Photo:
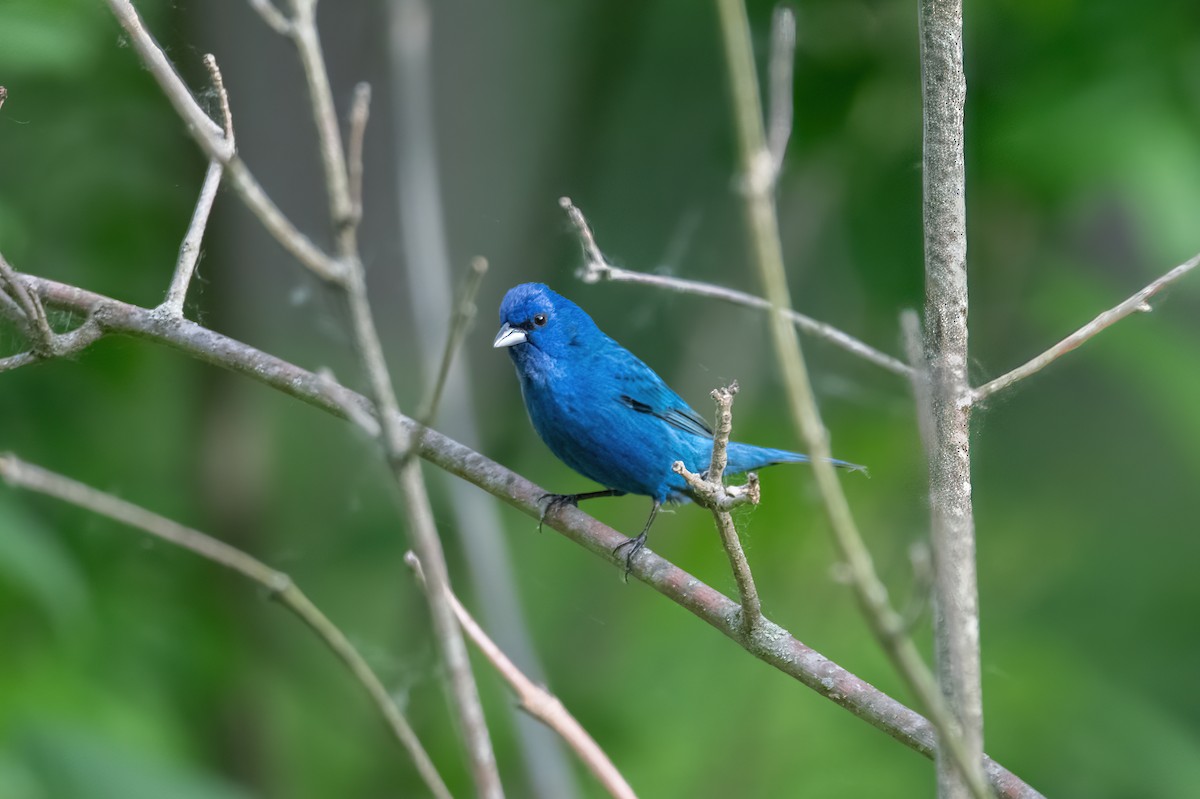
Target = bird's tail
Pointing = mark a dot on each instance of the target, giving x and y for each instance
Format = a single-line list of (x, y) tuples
[(746, 457)]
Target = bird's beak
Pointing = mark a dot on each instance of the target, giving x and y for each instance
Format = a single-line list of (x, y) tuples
[(509, 336)]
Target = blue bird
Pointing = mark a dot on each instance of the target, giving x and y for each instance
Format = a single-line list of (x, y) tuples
[(604, 412)]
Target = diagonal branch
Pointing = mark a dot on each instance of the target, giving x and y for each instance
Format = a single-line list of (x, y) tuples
[(211, 138), (25, 475), (537, 700), (395, 438), (766, 248), (189, 250), (1138, 303), (597, 268), (207, 133), (24, 308), (773, 645)]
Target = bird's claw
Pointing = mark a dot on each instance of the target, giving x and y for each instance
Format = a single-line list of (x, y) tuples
[(553, 502), (635, 546)]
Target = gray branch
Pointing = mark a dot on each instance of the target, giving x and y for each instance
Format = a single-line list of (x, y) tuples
[(773, 644), (956, 596)]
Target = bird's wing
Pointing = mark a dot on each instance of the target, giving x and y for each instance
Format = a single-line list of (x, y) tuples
[(641, 389), (681, 416)]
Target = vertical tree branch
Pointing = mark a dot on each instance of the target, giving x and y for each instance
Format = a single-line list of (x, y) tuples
[(710, 491), (956, 599), (430, 276), (763, 226), (395, 439)]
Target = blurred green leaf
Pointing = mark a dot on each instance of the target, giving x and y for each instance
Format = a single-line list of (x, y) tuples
[(76, 763), (35, 565)]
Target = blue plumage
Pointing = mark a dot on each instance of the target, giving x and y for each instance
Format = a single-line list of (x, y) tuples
[(604, 412)]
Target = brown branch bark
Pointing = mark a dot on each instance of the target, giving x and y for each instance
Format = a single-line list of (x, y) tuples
[(773, 644)]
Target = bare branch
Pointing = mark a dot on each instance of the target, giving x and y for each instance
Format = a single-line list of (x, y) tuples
[(1138, 303), (394, 437), (189, 250), (952, 533), (360, 111), (210, 135), (329, 137), (710, 491), (65, 345), (300, 246), (763, 226), (211, 139), (464, 313), (272, 16), (596, 268), (535, 699), (25, 475), (782, 64), (396, 440), (773, 645), (214, 74), (31, 316)]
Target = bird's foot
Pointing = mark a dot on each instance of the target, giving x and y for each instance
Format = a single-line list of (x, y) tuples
[(554, 502), (635, 546)]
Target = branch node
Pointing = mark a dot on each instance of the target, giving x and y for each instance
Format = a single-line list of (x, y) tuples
[(595, 266), (272, 16), (214, 74)]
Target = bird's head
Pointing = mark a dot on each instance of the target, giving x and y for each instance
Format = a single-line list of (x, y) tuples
[(537, 323)]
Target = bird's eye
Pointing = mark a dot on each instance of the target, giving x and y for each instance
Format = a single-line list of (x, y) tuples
[(539, 319)]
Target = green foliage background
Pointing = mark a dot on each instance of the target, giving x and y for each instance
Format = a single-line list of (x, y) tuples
[(128, 669)]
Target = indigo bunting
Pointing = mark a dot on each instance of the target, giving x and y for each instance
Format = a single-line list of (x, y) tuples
[(604, 412)]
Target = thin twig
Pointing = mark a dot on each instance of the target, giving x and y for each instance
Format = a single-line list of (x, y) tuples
[(300, 246), (329, 137), (1138, 303), (209, 134), (763, 226), (346, 271), (25, 475), (432, 279), (710, 491), (272, 16), (536, 699), (774, 646), (782, 66), (214, 75), (10, 309), (396, 440), (597, 268), (65, 345), (464, 313), (360, 111), (36, 324), (211, 138), (189, 250)]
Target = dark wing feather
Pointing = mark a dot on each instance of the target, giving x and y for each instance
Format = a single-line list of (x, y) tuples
[(681, 416), (639, 388)]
